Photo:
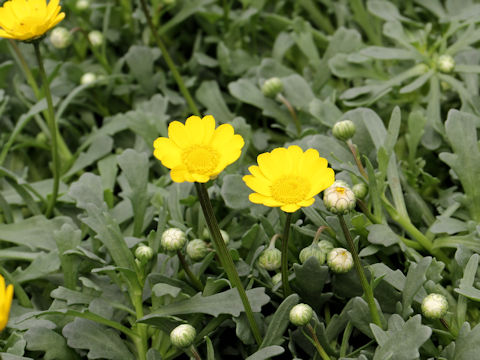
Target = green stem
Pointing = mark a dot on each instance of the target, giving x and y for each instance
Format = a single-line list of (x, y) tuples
[(52, 125), (196, 282), (169, 61), (140, 329), (317, 344), (360, 167), (286, 286), (367, 289), (195, 353), (225, 257), (361, 204), (345, 339), (292, 112)]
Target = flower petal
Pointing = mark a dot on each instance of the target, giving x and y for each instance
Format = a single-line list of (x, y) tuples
[(167, 152), (290, 208), (258, 184), (195, 127), (179, 134), (262, 199)]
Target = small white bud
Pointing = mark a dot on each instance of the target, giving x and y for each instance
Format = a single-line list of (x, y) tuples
[(312, 251), (183, 336), (434, 306), (88, 78), (301, 314), (360, 190), (197, 249), (445, 63), (144, 253), (82, 5), (340, 260), (276, 278), (60, 37), (339, 200), (272, 87), (344, 130), (270, 259), (95, 37), (173, 239)]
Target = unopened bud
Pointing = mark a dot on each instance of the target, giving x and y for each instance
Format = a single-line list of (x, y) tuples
[(95, 37), (82, 5), (325, 246), (360, 190), (344, 130), (197, 249), (173, 239), (312, 251), (183, 336), (340, 260), (276, 278), (60, 37), (434, 306), (339, 200), (301, 314), (445, 63), (270, 259), (88, 78), (272, 87), (144, 253)]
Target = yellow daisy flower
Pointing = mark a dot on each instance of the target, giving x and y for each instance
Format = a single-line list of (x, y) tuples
[(288, 178), (28, 19), (197, 151), (6, 295)]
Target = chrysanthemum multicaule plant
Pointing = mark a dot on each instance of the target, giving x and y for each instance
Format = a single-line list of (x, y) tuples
[(197, 151), (288, 178), (6, 295), (28, 19)]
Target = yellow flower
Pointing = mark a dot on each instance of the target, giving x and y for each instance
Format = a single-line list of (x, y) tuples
[(28, 19), (6, 295), (197, 151), (288, 178)]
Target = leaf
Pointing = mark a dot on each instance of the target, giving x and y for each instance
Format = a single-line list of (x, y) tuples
[(382, 235), (209, 94), (68, 238), (43, 264), (140, 60), (101, 342), (266, 353), (360, 315), (387, 53), (227, 302), (402, 340), (51, 343), (310, 278), (448, 225), (234, 192), (416, 277), (467, 344), (466, 288), (279, 322)]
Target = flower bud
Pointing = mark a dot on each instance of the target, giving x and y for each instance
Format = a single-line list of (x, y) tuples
[(144, 253), (445, 63), (197, 249), (88, 78), (60, 37), (337, 183), (276, 278), (340, 260), (325, 246), (312, 251), (173, 239), (434, 306), (82, 4), (183, 336), (301, 314), (339, 200), (344, 130), (270, 259), (95, 37), (272, 87), (360, 190)]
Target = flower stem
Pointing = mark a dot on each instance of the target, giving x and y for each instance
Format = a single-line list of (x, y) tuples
[(360, 167), (195, 281), (52, 125), (367, 289), (225, 257), (140, 329), (316, 343), (286, 286), (195, 353), (292, 112), (171, 65)]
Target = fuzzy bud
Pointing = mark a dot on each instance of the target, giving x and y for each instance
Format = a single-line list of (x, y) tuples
[(312, 251), (339, 200), (445, 63), (144, 253), (344, 130), (82, 5), (276, 278), (197, 249), (325, 246), (360, 190), (340, 260), (183, 336), (96, 38), (60, 37), (88, 78), (173, 239), (272, 87), (301, 314), (270, 259), (434, 306)]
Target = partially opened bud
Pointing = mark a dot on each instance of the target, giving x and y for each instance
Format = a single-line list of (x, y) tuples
[(301, 314), (340, 260), (434, 306), (183, 336), (173, 239), (339, 200), (272, 87), (344, 130)]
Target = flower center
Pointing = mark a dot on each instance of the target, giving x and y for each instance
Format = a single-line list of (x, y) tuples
[(201, 159), (290, 189)]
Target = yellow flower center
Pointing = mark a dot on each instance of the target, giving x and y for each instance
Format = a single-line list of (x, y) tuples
[(201, 159), (340, 190), (290, 189)]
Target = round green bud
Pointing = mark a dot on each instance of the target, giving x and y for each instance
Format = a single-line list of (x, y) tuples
[(60, 37), (272, 87), (344, 130), (340, 200), (340, 260), (144, 253), (88, 78), (301, 314), (270, 259), (183, 336), (82, 5), (325, 246), (206, 235), (360, 190), (197, 249), (434, 306), (445, 63), (173, 239), (312, 251), (96, 38), (276, 278)]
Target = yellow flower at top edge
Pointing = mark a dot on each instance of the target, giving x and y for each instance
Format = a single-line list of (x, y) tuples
[(288, 178), (197, 151), (6, 295), (28, 19)]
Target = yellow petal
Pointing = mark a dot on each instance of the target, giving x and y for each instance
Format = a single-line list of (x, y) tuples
[(306, 202), (222, 135), (321, 180), (262, 199), (290, 208), (258, 184), (209, 128), (274, 164), (179, 134), (195, 128)]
